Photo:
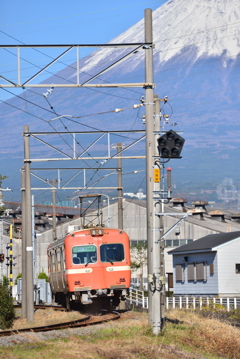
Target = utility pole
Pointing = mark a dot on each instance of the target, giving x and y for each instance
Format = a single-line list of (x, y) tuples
[(11, 258), (28, 228), (157, 227), (54, 232), (24, 278), (120, 198), (1, 247), (1, 224), (149, 151)]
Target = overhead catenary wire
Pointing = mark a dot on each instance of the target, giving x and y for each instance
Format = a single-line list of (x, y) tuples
[(91, 89), (59, 61), (81, 14), (70, 119), (116, 110)]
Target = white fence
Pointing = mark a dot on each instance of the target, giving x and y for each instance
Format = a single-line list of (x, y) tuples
[(199, 302), (137, 298)]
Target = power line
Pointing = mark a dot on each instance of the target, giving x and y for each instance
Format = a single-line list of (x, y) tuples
[(194, 43), (199, 32), (81, 14)]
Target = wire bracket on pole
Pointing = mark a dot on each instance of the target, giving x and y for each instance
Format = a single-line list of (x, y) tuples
[(185, 215)]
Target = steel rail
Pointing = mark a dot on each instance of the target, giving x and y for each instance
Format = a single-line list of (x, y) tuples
[(89, 320)]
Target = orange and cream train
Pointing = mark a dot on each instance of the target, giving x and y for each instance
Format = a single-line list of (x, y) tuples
[(90, 266)]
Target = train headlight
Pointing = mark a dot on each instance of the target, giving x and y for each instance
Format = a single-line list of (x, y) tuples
[(96, 232)]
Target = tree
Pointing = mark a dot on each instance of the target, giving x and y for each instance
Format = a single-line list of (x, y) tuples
[(139, 259), (2, 207), (1, 179), (7, 313), (43, 275)]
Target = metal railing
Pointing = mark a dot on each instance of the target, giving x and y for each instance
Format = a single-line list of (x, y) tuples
[(136, 297)]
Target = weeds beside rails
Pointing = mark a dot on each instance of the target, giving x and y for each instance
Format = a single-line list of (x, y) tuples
[(218, 311), (205, 330)]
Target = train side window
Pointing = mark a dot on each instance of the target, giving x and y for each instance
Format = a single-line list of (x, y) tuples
[(84, 254), (112, 252), (63, 258), (58, 260), (50, 269), (53, 262)]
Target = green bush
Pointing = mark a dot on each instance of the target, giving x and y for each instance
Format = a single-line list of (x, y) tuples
[(43, 275), (5, 281), (7, 313), (18, 277)]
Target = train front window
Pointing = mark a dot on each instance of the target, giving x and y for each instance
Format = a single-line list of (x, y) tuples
[(84, 254), (112, 252)]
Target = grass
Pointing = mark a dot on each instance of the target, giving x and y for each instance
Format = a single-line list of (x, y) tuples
[(189, 335), (47, 316)]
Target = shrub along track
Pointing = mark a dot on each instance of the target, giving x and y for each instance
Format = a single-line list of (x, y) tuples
[(84, 322)]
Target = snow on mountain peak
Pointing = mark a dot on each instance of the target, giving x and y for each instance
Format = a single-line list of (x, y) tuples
[(206, 27)]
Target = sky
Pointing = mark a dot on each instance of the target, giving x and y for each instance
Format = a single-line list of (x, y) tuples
[(61, 22)]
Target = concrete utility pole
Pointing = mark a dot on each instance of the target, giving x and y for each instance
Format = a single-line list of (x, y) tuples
[(120, 198), (157, 228), (11, 258), (54, 223), (24, 278), (1, 226), (28, 228), (149, 151), (1, 246)]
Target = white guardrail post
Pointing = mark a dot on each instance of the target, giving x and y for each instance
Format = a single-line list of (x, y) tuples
[(137, 297), (167, 298), (180, 302)]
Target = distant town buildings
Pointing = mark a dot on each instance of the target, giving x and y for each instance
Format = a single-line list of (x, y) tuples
[(139, 194), (226, 191)]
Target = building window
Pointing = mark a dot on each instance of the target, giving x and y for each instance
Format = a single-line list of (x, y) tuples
[(191, 274), (200, 271), (176, 243), (182, 242), (211, 266), (170, 280), (135, 282), (238, 268), (179, 273), (136, 242)]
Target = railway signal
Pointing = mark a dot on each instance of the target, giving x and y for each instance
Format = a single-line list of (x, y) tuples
[(170, 145)]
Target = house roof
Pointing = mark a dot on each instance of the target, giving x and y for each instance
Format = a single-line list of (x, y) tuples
[(207, 242)]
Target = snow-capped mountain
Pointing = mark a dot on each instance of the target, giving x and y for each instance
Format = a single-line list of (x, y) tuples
[(208, 27), (196, 63)]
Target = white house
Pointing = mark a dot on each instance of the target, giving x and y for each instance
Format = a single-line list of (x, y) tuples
[(208, 266)]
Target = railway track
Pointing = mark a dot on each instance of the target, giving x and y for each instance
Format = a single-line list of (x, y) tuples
[(88, 320), (42, 306)]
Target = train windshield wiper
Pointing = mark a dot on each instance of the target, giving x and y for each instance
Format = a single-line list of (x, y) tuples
[(109, 260), (90, 260)]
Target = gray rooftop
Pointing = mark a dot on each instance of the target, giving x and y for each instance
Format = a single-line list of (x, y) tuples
[(207, 242)]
